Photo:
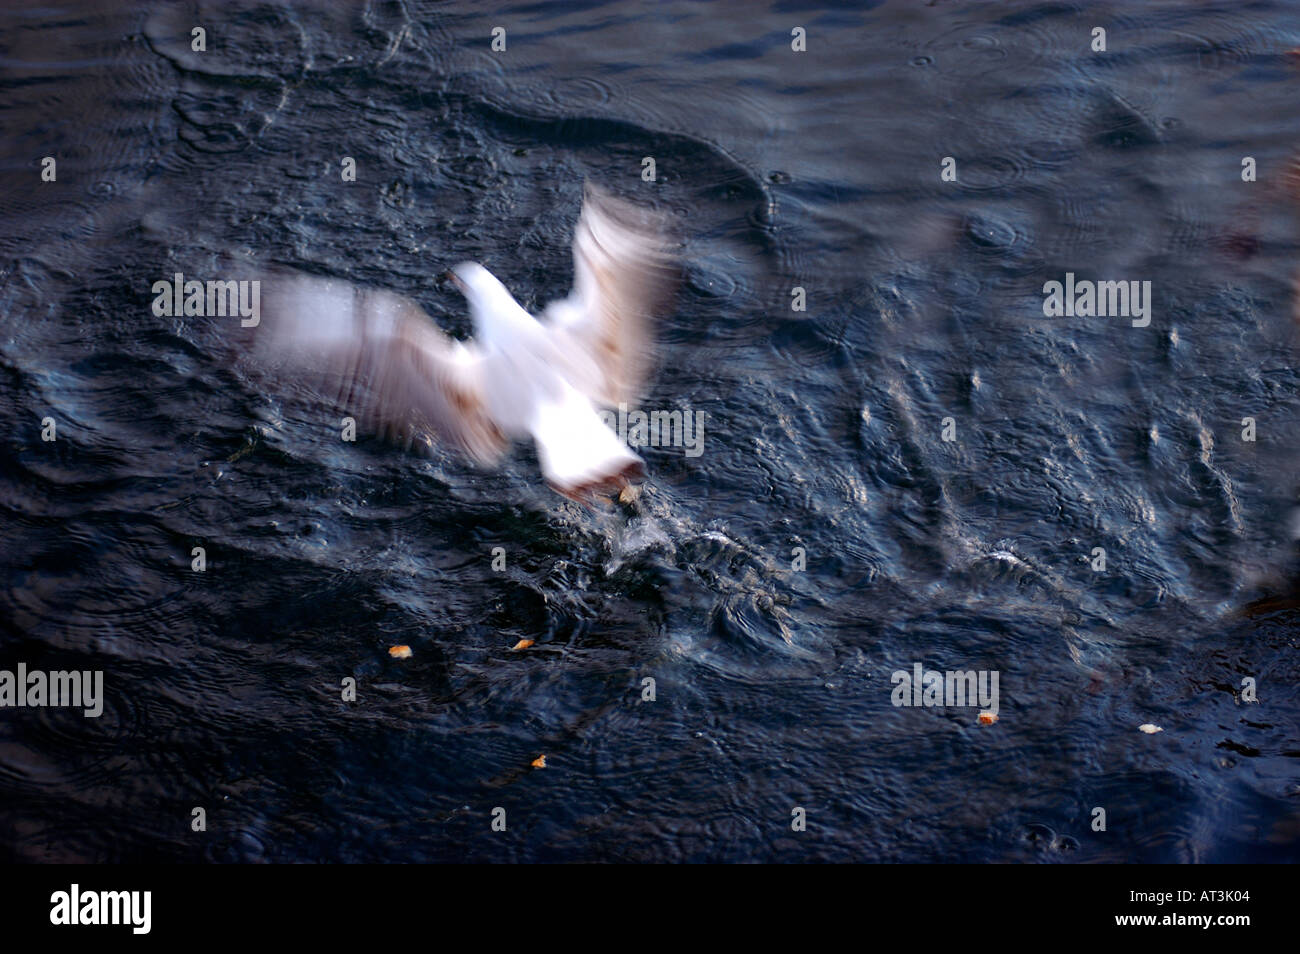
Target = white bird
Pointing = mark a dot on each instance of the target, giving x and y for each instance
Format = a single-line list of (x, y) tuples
[(384, 361)]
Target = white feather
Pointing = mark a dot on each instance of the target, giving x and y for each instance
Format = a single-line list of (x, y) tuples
[(380, 356)]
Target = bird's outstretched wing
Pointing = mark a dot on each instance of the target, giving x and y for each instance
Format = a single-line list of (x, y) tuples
[(623, 273), (380, 358)]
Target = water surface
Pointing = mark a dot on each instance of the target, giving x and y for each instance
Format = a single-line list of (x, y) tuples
[(772, 684)]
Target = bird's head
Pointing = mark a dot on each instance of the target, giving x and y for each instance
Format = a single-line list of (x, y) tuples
[(488, 299), (475, 282)]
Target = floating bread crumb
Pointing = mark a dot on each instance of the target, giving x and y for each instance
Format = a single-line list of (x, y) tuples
[(400, 652), (540, 761), (522, 644), (988, 718), (1150, 728)]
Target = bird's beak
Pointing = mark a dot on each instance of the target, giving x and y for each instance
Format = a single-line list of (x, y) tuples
[(455, 280)]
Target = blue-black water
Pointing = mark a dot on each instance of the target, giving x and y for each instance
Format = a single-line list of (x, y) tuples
[(825, 430)]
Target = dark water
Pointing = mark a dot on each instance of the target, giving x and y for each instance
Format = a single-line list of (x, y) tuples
[(773, 686)]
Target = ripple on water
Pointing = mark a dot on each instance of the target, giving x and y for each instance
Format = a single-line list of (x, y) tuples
[(715, 277), (1229, 41), (1010, 243), (971, 50), (60, 747), (92, 93), (252, 47), (989, 174), (60, 841), (577, 94), (564, 97), (232, 91), (1049, 152), (992, 233)]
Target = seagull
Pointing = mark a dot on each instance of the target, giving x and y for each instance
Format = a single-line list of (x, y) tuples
[(383, 360)]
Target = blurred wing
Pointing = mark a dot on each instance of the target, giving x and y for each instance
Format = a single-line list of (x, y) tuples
[(623, 273), (381, 359)]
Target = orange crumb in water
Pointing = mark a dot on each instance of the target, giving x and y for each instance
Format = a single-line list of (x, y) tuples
[(522, 644), (988, 718), (400, 652), (540, 761)]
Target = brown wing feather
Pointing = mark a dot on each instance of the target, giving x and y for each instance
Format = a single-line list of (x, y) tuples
[(380, 358), (624, 274)]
